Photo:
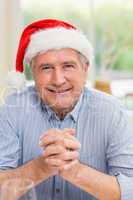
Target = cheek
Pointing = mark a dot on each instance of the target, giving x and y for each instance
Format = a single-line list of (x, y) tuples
[(84, 76), (79, 78), (41, 80)]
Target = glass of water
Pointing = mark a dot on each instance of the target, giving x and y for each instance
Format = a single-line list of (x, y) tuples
[(18, 189)]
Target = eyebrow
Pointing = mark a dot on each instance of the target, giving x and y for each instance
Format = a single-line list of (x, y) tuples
[(44, 64), (62, 63), (69, 62)]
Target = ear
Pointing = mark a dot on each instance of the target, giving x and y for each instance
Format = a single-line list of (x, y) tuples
[(86, 68)]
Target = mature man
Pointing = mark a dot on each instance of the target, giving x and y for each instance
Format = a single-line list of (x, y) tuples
[(73, 142)]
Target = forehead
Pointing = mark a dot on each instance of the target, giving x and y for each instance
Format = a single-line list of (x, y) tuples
[(60, 55)]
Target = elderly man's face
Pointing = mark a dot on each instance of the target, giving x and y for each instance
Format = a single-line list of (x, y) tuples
[(59, 77)]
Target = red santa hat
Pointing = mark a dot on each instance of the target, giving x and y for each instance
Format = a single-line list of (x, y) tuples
[(42, 36)]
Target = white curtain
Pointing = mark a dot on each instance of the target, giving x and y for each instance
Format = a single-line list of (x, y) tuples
[(11, 23)]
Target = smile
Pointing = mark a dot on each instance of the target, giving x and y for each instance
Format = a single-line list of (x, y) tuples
[(59, 91)]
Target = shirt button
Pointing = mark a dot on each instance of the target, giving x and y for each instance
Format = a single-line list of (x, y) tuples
[(57, 190)]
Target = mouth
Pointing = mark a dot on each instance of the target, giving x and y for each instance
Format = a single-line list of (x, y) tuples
[(59, 91)]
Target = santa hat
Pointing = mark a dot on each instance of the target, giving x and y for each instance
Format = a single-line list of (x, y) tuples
[(42, 36)]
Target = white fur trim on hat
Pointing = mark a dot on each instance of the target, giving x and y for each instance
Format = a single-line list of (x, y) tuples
[(57, 38), (16, 80)]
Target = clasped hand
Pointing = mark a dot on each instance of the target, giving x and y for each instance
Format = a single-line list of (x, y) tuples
[(60, 149)]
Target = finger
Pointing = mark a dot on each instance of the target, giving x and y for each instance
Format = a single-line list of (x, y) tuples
[(70, 131), (57, 138), (53, 132), (69, 155), (70, 144), (49, 139), (68, 165), (65, 139), (53, 150), (54, 135), (69, 136), (54, 162), (49, 132), (45, 134)]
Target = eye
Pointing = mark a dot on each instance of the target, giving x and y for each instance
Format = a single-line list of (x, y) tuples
[(46, 67), (68, 66)]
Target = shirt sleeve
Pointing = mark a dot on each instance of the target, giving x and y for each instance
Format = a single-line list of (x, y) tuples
[(9, 140), (120, 153)]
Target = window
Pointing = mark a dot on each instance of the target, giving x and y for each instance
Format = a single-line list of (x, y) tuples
[(108, 24)]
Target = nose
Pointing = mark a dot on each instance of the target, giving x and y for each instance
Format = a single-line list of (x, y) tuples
[(58, 77)]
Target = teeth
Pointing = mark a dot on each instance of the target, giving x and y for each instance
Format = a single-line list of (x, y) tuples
[(58, 91), (63, 91)]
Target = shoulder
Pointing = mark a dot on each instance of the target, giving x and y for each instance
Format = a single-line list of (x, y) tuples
[(18, 98), (107, 111), (102, 105), (19, 101), (98, 99)]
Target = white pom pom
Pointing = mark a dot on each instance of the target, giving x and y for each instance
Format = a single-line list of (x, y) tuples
[(16, 80)]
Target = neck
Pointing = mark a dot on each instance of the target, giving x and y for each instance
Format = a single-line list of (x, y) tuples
[(62, 113)]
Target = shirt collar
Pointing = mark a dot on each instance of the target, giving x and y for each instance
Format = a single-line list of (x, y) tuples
[(73, 114)]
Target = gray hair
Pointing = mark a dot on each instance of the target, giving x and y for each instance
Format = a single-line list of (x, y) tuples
[(83, 59)]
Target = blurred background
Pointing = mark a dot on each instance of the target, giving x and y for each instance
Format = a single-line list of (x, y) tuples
[(108, 24)]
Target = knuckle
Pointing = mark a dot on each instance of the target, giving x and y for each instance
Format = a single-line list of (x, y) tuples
[(76, 154), (47, 160), (57, 162), (66, 143), (78, 144), (66, 155), (60, 148), (60, 142), (50, 132)]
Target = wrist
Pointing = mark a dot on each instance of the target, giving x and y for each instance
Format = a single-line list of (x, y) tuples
[(44, 168), (71, 173)]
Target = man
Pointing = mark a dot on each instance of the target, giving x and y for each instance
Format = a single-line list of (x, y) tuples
[(74, 143)]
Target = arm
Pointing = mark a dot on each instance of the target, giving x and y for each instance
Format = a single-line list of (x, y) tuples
[(118, 183), (40, 168), (119, 157), (37, 171), (100, 185)]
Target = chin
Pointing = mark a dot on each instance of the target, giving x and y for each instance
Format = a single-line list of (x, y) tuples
[(64, 106)]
